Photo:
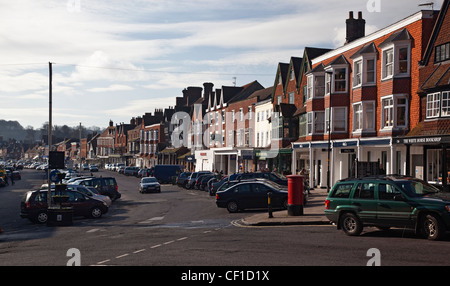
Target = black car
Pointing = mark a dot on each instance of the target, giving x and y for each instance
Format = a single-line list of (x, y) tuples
[(199, 179), (204, 182), (106, 186), (193, 178), (274, 177), (183, 178), (34, 205), (251, 195)]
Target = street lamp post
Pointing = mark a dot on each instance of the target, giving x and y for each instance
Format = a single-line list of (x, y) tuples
[(49, 183), (329, 73)]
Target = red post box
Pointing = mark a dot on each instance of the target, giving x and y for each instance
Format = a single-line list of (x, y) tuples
[(295, 195)]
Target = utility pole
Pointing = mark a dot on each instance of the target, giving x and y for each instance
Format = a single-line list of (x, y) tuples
[(49, 183)]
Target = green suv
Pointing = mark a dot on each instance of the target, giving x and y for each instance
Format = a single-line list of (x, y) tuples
[(389, 201)]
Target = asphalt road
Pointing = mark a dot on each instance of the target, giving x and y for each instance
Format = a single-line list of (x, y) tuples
[(179, 227)]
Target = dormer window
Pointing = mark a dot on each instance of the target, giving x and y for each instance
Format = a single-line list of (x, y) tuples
[(364, 66), (396, 55), (336, 76), (316, 83)]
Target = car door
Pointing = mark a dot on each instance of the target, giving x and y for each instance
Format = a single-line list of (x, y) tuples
[(259, 195), (244, 195), (364, 201), (393, 208), (79, 202)]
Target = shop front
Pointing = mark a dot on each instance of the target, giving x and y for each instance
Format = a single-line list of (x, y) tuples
[(428, 158)]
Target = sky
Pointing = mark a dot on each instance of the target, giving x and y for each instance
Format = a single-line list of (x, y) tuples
[(115, 59)]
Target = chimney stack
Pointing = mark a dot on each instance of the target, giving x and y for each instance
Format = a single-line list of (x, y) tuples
[(356, 28)]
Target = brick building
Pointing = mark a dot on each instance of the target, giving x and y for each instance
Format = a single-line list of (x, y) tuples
[(370, 84), (427, 154)]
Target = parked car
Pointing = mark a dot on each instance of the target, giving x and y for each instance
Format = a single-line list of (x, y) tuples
[(144, 173), (204, 182), (90, 192), (389, 201), (274, 177), (131, 171), (93, 168), (216, 185), (183, 178), (149, 185), (251, 195), (34, 205), (104, 185), (193, 178)]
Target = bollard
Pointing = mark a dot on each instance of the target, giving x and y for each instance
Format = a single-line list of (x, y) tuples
[(269, 204)]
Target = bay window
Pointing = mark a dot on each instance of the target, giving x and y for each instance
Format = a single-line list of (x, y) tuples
[(388, 63), (339, 119), (363, 116), (396, 60), (340, 80), (319, 121), (394, 111)]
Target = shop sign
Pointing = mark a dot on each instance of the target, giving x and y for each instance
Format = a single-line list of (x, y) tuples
[(421, 140)]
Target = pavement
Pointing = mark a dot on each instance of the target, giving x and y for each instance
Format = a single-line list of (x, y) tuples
[(313, 213)]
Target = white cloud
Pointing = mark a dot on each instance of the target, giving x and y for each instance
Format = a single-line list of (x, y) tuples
[(149, 50), (114, 87)]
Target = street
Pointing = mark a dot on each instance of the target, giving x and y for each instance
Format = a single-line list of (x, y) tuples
[(179, 227)]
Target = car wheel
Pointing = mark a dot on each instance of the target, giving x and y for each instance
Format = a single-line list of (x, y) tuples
[(232, 206), (432, 227), (96, 212), (285, 204), (41, 217), (351, 224)]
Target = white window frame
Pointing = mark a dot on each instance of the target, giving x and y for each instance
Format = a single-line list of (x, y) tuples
[(363, 115), (394, 106), (310, 86), (317, 123), (363, 74), (309, 123), (330, 79), (385, 63), (447, 103), (335, 80), (395, 50), (438, 104), (357, 72), (291, 98), (334, 119)]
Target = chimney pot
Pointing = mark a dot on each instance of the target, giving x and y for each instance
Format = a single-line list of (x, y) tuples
[(355, 27)]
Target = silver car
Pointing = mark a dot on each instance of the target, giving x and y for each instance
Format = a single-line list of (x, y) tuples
[(149, 185)]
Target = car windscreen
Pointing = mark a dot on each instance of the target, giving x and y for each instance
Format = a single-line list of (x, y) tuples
[(149, 180), (416, 187)]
